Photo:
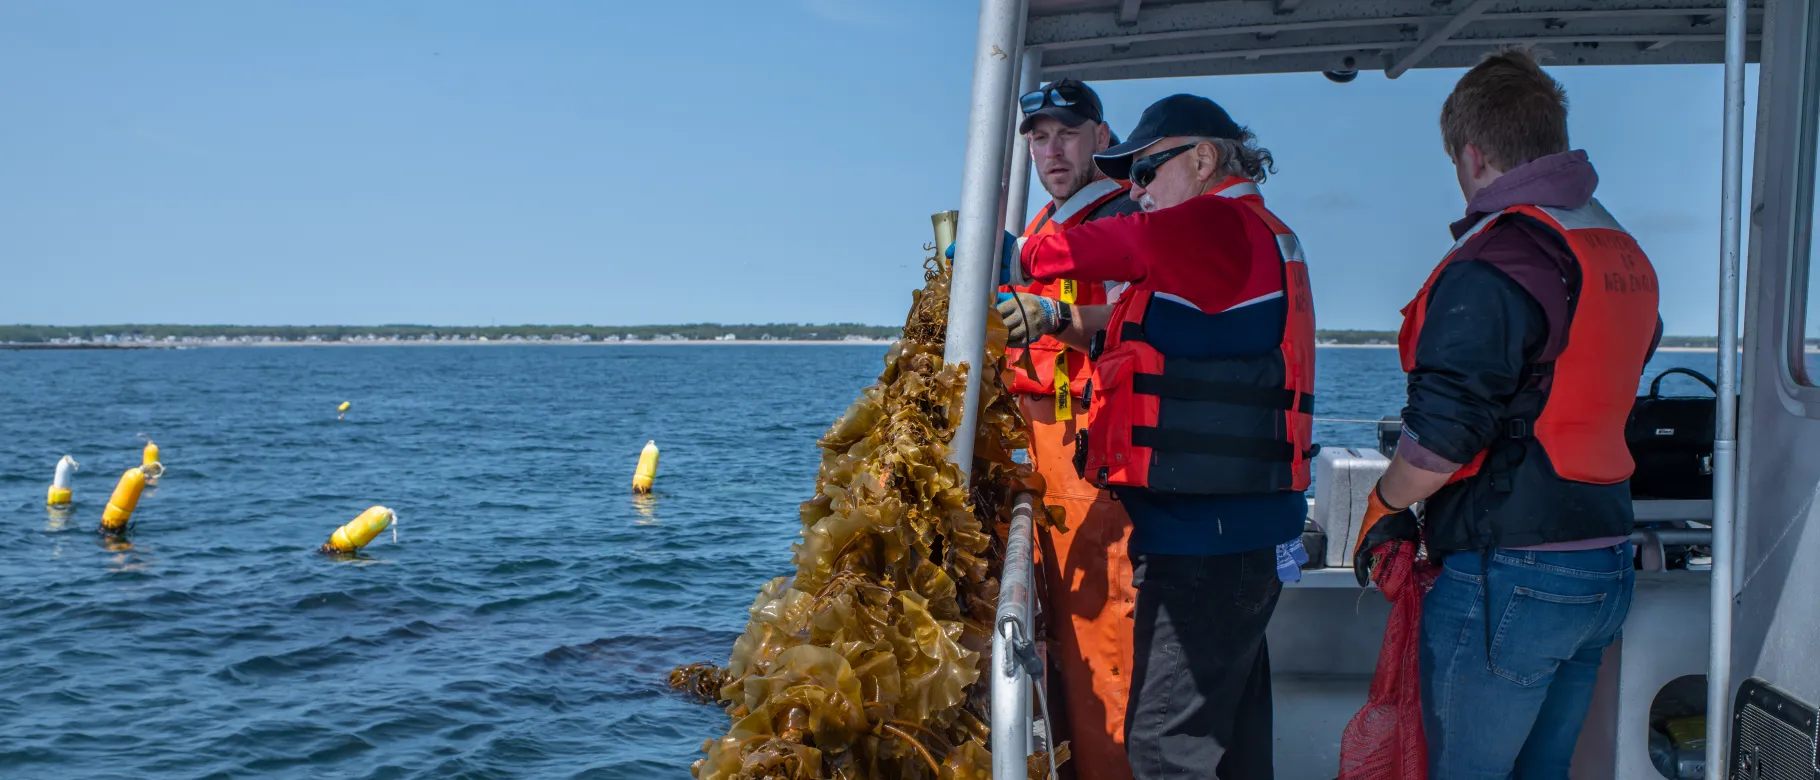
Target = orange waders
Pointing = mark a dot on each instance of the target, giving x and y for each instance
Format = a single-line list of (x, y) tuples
[(1088, 600)]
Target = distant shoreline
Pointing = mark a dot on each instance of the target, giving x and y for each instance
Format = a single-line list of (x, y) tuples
[(129, 336)]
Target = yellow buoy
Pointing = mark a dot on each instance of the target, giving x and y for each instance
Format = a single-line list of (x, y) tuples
[(125, 499), (150, 462), (60, 482), (362, 530), (647, 469), (343, 409)]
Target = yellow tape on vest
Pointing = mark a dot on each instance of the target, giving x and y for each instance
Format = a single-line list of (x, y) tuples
[(1064, 403)]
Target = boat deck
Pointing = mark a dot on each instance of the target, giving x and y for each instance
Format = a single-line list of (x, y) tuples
[(1311, 712)]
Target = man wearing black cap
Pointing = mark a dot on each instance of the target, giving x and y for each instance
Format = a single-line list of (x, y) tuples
[(1066, 127), (1201, 417), (1088, 596)]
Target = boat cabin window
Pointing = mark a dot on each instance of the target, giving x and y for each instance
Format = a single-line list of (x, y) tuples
[(1807, 368), (1805, 306)]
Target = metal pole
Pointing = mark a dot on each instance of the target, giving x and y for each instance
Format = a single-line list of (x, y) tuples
[(1011, 134), (1017, 204), (1010, 681), (1725, 441), (976, 253)]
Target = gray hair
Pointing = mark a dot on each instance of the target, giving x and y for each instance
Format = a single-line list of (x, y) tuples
[(1242, 156)]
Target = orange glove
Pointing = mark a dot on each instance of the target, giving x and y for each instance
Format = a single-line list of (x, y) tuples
[(1381, 526)]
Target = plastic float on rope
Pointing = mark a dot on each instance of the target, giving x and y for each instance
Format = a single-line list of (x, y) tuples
[(342, 410), (646, 475), (361, 531), (120, 506), (60, 494), (150, 462)]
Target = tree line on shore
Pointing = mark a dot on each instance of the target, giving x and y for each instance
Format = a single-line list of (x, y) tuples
[(705, 331)]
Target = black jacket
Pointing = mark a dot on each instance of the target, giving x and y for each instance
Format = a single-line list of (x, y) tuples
[(1481, 376)]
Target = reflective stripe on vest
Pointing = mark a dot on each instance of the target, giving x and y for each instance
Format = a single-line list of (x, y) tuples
[(1081, 203), (1594, 380), (1216, 425), (1047, 351)]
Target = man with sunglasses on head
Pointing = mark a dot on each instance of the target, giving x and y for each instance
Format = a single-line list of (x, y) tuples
[(1086, 574), (1201, 418)]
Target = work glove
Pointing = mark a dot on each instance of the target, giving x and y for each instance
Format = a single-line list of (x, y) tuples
[(1007, 262), (1029, 317), (1382, 526)]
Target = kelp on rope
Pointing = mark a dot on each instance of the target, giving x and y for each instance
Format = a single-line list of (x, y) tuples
[(864, 663)]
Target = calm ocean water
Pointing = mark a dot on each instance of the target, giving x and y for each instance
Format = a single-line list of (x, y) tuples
[(521, 626)]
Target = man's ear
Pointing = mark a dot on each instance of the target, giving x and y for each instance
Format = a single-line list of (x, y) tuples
[(1102, 138), (1207, 160), (1475, 160)]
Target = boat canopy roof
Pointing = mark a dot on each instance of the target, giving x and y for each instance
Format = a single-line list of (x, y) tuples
[(1101, 40)]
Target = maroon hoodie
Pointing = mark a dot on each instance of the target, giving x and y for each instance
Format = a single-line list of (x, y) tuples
[(1529, 254)]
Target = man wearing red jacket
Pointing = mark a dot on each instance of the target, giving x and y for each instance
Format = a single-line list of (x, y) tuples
[(1087, 596), (1201, 415)]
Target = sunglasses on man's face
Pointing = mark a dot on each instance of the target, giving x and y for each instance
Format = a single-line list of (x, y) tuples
[(1032, 102), (1143, 170)]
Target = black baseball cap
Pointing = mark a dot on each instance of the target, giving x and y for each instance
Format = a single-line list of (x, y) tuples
[(1175, 115), (1084, 107)]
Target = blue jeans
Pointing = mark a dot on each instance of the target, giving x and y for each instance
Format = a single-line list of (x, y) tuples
[(1507, 699)]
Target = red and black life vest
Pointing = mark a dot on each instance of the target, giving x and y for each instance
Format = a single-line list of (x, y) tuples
[(1574, 408), (1047, 351), (1215, 426)]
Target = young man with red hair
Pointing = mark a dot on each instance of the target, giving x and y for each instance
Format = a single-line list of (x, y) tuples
[(1524, 349)]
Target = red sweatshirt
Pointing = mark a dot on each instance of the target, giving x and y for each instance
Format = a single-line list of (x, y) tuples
[(1199, 252)]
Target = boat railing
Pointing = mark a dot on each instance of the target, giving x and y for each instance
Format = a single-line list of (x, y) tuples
[(1016, 671)]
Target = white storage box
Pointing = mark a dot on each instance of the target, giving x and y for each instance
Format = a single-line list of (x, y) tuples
[(1343, 478)]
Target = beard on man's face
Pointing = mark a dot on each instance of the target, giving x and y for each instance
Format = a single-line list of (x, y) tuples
[(1077, 179)]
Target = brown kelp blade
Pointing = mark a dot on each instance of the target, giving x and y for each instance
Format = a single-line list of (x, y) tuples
[(701, 682), (865, 662)]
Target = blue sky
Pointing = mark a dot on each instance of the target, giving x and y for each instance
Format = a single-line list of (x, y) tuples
[(619, 163)]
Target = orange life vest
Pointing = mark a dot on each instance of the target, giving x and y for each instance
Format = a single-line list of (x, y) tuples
[(1594, 380), (1215, 426), (1046, 352)]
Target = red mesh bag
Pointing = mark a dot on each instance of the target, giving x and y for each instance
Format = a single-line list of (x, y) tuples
[(1384, 740)]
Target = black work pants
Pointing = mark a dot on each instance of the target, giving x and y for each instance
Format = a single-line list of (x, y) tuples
[(1200, 687)]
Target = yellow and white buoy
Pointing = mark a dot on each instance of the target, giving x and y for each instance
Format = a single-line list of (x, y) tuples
[(149, 461), (647, 469), (60, 482), (125, 499), (342, 410), (361, 531)]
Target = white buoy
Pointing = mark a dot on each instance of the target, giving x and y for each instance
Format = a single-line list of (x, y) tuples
[(60, 482)]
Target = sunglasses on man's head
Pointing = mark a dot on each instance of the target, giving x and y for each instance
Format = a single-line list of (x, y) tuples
[(1067, 96), (1143, 170)]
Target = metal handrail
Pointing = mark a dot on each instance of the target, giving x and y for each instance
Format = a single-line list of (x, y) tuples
[(1725, 440), (976, 248), (986, 178), (1011, 680)]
